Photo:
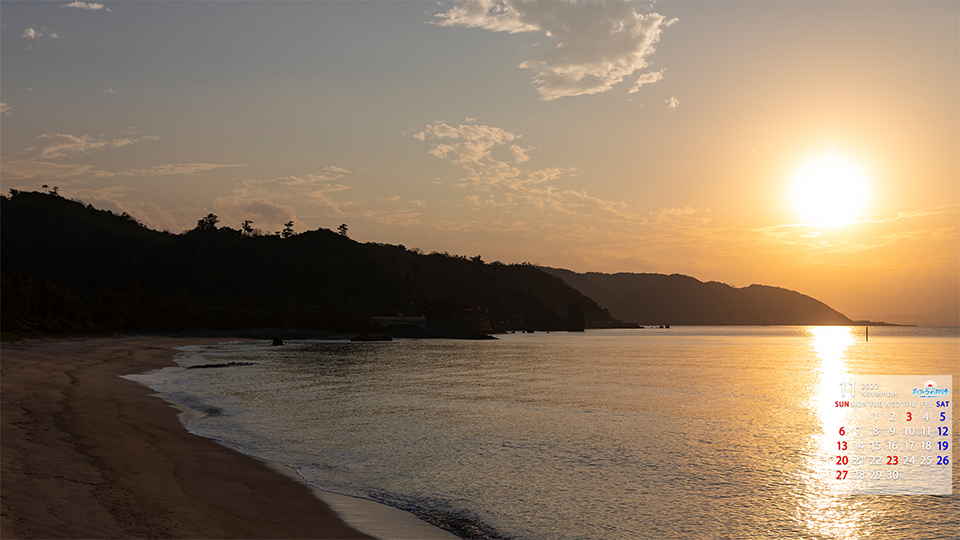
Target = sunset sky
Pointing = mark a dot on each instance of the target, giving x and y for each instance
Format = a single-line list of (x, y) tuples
[(675, 137)]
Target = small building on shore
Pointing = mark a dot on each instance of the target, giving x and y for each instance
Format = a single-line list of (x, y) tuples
[(401, 323)]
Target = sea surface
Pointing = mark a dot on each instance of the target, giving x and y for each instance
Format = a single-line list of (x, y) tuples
[(688, 432)]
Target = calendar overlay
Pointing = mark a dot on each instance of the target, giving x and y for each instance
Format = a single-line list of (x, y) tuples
[(891, 434)]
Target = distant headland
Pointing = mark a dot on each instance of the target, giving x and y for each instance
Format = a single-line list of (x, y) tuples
[(683, 300)]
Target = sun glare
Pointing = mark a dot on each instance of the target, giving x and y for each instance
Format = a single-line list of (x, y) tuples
[(830, 190)]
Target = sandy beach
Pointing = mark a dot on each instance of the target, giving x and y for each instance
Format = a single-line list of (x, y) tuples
[(87, 454)]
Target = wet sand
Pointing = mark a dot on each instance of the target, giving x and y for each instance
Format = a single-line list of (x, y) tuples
[(86, 454)]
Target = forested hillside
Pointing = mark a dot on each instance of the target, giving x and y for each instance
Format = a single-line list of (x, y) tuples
[(71, 268)]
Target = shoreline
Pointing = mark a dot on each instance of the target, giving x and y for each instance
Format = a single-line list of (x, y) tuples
[(373, 518), (87, 453)]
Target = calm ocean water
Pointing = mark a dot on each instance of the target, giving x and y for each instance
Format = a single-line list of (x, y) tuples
[(689, 432)]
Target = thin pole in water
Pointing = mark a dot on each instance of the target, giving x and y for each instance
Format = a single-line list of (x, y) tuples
[(867, 329)]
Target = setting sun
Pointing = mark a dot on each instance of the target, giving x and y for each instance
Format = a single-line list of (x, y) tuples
[(830, 189)]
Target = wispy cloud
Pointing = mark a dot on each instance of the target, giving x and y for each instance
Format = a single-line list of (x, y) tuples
[(56, 145), (917, 230), (329, 174), (473, 145), (59, 145), (925, 212), (495, 172), (4, 108), (34, 33), (946, 209), (647, 78), (520, 154), (393, 218), (598, 44), (264, 213), (89, 6), (27, 169), (185, 169), (672, 103), (313, 188), (665, 214)]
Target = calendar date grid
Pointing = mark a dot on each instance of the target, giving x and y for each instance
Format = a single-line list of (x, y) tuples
[(894, 435)]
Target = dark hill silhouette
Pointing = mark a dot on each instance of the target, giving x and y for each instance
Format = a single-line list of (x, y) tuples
[(68, 267), (678, 299), (443, 283)]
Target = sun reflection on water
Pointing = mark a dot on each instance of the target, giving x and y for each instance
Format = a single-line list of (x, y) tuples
[(824, 505)]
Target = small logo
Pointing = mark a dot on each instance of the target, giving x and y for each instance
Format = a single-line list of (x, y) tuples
[(930, 389)]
